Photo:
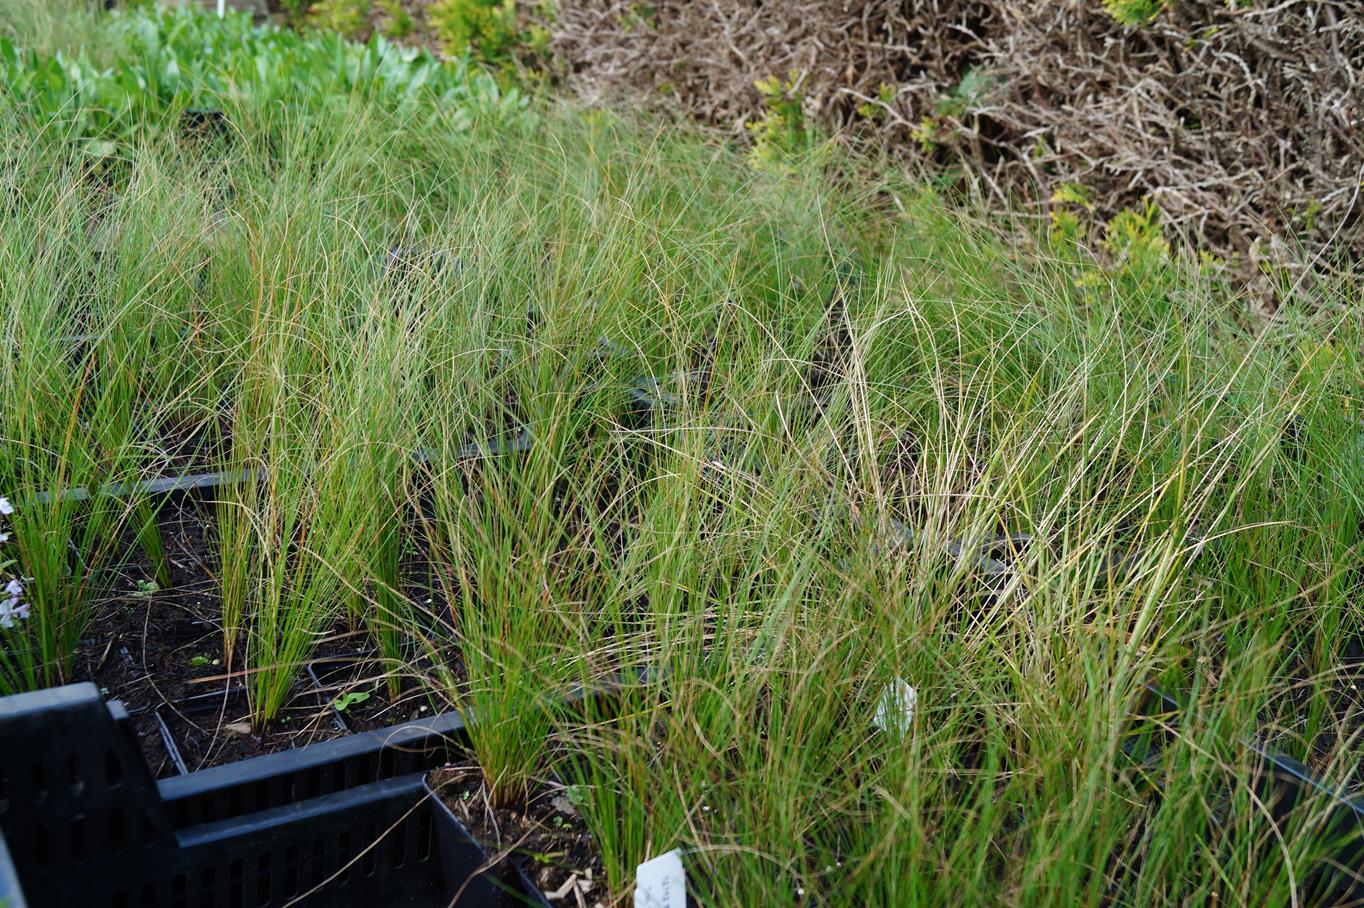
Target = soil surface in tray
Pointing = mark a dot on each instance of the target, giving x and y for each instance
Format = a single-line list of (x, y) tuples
[(546, 837), (160, 651)]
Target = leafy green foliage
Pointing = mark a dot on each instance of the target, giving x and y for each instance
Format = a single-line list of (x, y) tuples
[(1134, 12), (937, 128), (1136, 254), (874, 111), (343, 702), (1070, 210), (397, 22), (1136, 241), (173, 60), (495, 33), (487, 29), (639, 15), (782, 134), (346, 17), (295, 10)]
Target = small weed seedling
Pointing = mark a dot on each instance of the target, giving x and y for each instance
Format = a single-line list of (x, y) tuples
[(345, 701)]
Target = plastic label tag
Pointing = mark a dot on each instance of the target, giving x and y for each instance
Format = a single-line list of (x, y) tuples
[(661, 882), (895, 709)]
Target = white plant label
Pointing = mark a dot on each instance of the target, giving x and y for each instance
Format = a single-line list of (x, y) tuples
[(661, 882), (895, 709)]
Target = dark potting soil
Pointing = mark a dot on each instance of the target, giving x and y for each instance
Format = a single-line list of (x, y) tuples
[(146, 647), (357, 687), (1343, 686), (187, 443), (546, 837), (160, 651), (217, 728)]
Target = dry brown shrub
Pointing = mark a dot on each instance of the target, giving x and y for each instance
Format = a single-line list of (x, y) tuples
[(1243, 119)]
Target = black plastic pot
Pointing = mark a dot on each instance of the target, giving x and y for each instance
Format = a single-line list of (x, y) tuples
[(207, 706), (198, 482), (1283, 786), (500, 883), (348, 822), (165, 485), (10, 891), (204, 124)]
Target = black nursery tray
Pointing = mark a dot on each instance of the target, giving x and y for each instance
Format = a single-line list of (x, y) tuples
[(518, 443), (1284, 787), (348, 822)]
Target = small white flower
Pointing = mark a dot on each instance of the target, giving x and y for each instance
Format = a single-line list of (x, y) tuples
[(5, 507), (14, 588), (4, 538), (12, 610)]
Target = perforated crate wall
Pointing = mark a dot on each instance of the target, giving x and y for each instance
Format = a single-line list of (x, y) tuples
[(343, 823)]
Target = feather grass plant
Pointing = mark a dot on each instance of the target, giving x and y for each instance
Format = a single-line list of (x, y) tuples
[(890, 442)]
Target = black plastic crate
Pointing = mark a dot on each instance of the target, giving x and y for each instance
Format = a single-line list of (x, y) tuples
[(505, 884), (1283, 786), (348, 822)]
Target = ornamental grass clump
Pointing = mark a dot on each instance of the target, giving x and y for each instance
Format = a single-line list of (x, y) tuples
[(518, 403)]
